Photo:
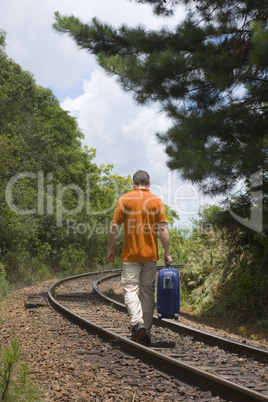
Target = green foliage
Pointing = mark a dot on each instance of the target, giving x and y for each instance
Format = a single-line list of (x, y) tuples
[(258, 54), (176, 238), (171, 215), (56, 204), (177, 244), (72, 262), (205, 253), (4, 286), (15, 381), (209, 215), (225, 270)]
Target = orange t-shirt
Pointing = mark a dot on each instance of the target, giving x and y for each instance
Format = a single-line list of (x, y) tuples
[(140, 211)]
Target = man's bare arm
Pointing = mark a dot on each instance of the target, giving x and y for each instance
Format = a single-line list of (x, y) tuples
[(164, 237), (114, 230)]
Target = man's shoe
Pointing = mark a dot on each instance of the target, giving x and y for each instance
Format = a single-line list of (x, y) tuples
[(146, 340), (138, 332)]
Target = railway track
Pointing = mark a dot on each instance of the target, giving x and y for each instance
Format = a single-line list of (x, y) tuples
[(232, 370)]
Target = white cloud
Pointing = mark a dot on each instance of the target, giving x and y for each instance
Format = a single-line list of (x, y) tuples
[(54, 59), (122, 132)]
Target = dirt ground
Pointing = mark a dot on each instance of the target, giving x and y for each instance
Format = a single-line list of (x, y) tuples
[(248, 331)]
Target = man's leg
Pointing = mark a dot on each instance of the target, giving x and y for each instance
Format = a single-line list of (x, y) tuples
[(130, 278), (147, 290)]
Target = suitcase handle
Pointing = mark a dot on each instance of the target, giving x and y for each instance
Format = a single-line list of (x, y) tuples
[(167, 265)]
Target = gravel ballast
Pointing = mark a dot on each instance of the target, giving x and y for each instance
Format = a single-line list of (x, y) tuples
[(70, 364)]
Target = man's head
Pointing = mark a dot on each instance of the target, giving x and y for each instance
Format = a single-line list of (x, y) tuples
[(141, 178)]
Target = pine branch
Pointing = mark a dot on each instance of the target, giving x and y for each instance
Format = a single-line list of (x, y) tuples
[(7, 379)]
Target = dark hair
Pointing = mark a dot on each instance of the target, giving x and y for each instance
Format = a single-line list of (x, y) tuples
[(141, 178)]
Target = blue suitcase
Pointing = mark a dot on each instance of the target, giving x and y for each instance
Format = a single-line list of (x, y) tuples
[(168, 293)]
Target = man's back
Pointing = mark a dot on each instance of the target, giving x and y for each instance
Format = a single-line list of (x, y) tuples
[(140, 211)]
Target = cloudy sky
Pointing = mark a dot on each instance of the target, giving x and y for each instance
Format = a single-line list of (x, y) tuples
[(122, 132)]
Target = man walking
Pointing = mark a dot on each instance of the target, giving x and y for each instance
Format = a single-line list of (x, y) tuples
[(143, 216)]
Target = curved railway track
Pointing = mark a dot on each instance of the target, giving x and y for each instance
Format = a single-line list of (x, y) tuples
[(232, 370)]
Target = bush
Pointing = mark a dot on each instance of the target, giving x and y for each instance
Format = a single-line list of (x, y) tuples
[(225, 270), (15, 382), (4, 286)]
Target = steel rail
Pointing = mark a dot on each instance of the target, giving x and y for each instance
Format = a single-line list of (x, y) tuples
[(168, 365), (258, 354)]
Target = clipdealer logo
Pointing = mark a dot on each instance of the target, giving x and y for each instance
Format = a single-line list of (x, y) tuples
[(255, 222), (50, 200), (50, 197)]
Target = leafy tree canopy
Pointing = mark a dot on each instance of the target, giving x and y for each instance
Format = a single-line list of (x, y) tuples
[(56, 204), (209, 75)]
